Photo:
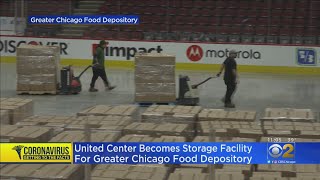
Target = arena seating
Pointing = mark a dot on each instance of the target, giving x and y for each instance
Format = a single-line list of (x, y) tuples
[(246, 21)]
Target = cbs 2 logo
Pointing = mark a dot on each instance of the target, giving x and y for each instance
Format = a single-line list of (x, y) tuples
[(276, 150)]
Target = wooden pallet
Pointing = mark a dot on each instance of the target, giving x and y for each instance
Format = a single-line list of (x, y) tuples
[(147, 104), (36, 92)]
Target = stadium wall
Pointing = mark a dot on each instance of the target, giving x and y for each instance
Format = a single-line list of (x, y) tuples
[(283, 59)]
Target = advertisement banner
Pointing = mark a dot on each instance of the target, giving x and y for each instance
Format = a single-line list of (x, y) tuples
[(192, 53)]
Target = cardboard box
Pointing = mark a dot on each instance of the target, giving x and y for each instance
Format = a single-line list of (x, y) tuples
[(43, 171), (288, 114), (174, 114), (105, 110), (25, 133), (142, 172), (155, 129), (17, 108), (221, 114), (147, 138), (78, 136), (4, 117)]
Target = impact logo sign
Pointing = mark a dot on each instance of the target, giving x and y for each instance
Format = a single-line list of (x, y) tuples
[(281, 153), (194, 53), (306, 57), (126, 52)]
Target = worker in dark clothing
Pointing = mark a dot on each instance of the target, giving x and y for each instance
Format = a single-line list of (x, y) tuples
[(231, 77), (98, 67)]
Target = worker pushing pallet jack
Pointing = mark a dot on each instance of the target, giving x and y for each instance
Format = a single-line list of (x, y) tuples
[(188, 94)]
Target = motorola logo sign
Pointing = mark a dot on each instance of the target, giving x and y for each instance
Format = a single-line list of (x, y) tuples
[(194, 53)]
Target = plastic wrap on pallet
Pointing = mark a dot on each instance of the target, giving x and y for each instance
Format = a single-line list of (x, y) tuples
[(154, 59), (38, 68), (155, 78), (156, 87)]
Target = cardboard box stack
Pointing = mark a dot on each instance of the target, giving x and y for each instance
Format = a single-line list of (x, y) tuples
[(155, 129), (289, 170), (155, 78), (42, 171), (25, 133), (16, 108), (147, 138), (267, 176), (79, 136), (231, 129), (196, 174), (288, 114), (223, 115), (105, 110), (37, 69), (288, 122), (172, 114), (141, 172)]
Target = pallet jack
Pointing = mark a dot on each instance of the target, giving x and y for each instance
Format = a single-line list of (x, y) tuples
[(188, 94), (70, 84)]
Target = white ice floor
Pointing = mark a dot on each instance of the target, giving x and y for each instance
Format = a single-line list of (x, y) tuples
[(255, 91)]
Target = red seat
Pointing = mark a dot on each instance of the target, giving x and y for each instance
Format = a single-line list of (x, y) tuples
[(252, 14), (288, 13), (263, 21), (243, 5), (315, 5), (226, 21), (203, 20), (248, 30), (299, 22), (223, 30), (183, 11), (230, 12), (258, 5), (301, 13), (312, 31), (235, 29), (175, 27), (285, 31), (196, 12), (221, 4), (286, 21), (298, 31), (275, 21), (290, 5), (274, 30), (187, 3), (201, 28), (261, 30), (276, 13), (277, 5), (136, 35)]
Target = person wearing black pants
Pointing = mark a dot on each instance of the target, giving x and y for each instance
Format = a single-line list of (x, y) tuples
[(230, 78), (98, 67)]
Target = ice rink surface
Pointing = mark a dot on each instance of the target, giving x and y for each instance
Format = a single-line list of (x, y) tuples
[(255, 91)]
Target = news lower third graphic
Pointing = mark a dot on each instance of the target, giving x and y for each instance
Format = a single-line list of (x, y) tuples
[(82, 19), (36, 153), (160, 153)]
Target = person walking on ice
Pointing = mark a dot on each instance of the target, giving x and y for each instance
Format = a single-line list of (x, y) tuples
[(231, 77), (98, 67)]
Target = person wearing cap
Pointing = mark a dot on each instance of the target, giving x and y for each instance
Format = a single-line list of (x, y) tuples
[(231, 77), (98, 67)]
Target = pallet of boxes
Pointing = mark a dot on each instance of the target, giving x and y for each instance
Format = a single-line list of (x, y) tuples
[(155, 78), (37, 69)]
